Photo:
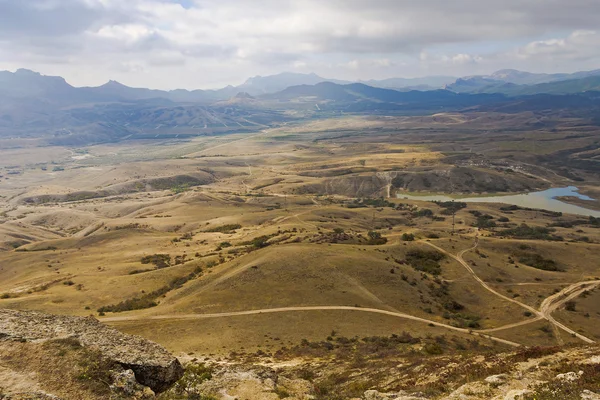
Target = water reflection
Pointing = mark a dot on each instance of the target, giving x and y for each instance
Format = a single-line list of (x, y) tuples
[(545, 200)]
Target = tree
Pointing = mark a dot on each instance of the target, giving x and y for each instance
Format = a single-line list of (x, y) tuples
[(408, 237)]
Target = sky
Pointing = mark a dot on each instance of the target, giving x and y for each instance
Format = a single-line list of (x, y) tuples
[(194, 44)]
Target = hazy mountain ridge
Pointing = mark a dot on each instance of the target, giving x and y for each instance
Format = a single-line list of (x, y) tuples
[(37, 106), (513, 82)]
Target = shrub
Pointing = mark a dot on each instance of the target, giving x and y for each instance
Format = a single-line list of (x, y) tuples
[(425, 212), (408, 237), (537, 261), (188, 387), (425, 261), (158, 260), (148, 300), (375, 238), (525, 231), (230, 228)]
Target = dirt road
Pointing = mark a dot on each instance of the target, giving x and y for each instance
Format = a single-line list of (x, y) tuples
[(300, 309), (548, 305)]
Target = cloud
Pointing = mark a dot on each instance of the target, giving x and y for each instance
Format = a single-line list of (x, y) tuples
[(232, 39), (579, 45)]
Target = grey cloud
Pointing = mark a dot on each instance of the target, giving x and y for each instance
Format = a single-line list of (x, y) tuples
[(56, 18), (272, 35)]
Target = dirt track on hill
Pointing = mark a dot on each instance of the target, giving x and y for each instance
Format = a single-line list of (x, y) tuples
[(297, 309), (548, 306)]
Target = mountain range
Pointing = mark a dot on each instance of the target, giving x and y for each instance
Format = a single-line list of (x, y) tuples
[(24, 84), (34, 106)]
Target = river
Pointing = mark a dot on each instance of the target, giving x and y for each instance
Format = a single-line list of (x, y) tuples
[(545, 200)]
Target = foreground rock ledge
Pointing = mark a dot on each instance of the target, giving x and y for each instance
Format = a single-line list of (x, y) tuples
[(152, 364)]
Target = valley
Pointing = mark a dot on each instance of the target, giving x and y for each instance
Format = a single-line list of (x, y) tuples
[(307, 239), (270, 227)]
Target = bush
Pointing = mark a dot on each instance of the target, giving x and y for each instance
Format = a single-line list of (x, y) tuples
[(537, 261), (451, 207), (230, 228), (425, 261), (426, 212), (375, 238), (530, 232), (188, 387), (408, 237), (148, 300), (158, 260)]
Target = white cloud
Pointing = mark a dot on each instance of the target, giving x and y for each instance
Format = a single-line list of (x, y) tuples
[(208, 42)]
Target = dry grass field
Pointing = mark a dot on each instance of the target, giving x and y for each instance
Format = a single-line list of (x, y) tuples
[(185, 242)]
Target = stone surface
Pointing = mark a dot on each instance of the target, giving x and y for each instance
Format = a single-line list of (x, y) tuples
[(152, 364), (375, 395), (569, 376), (496, 379), (588, 395)]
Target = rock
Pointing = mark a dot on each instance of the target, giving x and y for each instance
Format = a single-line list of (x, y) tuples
[(295, 387), (470, 390), (593, 360), (375, 395), (588, 395), (569, 376), (124, 383), (496, 379), (30, 396), (152, 364), (516, 394)]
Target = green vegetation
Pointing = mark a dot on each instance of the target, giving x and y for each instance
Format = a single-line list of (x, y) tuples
[(375, 238), (424, 212), (485, 221), (159, 260), (525, 231), (148, 300), (188, 387), (368, 202), (230, 228), (408, 237), (537, 261), (425, 261), (450, 207), (180, 188)]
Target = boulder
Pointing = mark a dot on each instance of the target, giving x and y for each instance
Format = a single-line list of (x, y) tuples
[(151, 363)]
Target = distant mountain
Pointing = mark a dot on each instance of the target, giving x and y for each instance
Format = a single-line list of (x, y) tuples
[(475, 84), (37, 106), (25, 83), (117, 91), (275, 83), (424, 83), (508, 80), (55, 90), (482, 85), (358, 97), (523, 78)]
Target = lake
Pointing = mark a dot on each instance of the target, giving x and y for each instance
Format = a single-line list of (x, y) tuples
[(545, 200)]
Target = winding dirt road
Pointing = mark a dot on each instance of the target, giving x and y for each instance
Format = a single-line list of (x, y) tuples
[(548, 306), (313, 308)]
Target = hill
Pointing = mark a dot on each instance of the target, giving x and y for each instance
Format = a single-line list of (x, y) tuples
[(574, 84)]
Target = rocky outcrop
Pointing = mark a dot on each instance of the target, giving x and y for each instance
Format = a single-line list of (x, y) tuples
[(152, 364)]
